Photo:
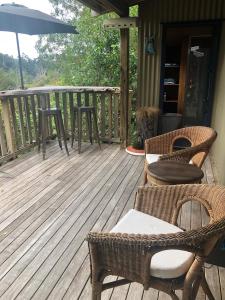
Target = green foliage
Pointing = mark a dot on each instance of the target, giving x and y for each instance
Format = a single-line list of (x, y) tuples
[(9, 74), (90, 58), (8, 79)]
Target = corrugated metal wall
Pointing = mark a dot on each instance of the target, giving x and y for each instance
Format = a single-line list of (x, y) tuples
[(152, 14)]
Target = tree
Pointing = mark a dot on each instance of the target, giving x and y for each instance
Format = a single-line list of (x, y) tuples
[(92, 56)]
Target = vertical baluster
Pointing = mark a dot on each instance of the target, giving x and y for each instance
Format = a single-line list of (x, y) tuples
[(34, 116), (2, 138), (110, 118), (129, 116), (6, 116), (116, 114), (94, 103), (79, 105), (14, 121), (78, 99), (65, 113), (102, 115), (86, 103), (86, 99), (38, 101), (49, 119), (57, 100), (71, 111), (21, 121), (28, 121)]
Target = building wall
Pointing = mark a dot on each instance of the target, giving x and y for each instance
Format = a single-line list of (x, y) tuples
[(218, 117), (152, 14)]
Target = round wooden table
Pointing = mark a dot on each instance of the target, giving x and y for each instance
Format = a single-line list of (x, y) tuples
[(172, 172)]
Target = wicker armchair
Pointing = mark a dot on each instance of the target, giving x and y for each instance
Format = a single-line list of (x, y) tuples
[(161, 147), (131, 255)]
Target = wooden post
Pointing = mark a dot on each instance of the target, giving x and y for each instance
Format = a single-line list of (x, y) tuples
[(6, 116), (124, 85)]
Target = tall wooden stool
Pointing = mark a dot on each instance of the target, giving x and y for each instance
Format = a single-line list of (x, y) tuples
[(43, 115), (91, 115)]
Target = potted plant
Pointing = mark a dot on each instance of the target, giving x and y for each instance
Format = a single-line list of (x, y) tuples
[(144, 126)]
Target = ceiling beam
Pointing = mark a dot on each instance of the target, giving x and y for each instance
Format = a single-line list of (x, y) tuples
[(93, 5), (117, 6)]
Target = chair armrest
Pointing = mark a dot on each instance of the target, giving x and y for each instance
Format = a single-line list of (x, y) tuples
[(129, 255)]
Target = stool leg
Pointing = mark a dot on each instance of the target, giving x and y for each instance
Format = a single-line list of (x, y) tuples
[(96, 127), (88, 116), (63, 131), (58, 131), (79, 130)]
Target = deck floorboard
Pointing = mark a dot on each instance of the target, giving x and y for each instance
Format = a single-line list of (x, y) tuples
[(47, 209)]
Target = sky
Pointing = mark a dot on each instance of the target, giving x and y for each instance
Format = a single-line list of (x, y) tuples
[(27, 42)]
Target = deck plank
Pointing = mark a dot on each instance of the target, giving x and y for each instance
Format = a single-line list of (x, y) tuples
[(47, 209)]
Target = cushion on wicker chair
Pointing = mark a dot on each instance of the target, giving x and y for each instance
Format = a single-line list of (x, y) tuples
[(151, 158), (167, 263)]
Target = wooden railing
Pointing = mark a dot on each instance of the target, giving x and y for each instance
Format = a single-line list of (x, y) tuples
[(19, 114)]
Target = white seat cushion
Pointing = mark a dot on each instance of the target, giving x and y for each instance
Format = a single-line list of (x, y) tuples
[(164, 264), (151, 158)]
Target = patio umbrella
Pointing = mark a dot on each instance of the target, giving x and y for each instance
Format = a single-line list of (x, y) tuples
[(20, 19)]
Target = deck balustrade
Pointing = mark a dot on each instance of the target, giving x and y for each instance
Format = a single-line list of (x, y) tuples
[(18, 116)]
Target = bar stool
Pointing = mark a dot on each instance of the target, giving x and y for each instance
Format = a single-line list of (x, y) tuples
[(43, 115), (90, 112)]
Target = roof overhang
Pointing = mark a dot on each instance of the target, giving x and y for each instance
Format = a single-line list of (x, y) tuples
[(121, 7)]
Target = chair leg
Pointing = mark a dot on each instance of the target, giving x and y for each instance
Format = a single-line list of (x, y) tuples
[(96, 127), (206, 289), (58, 131), (145, 178), (79, 130), (61, 126), (96, 291), (174, 296), (195, 287)]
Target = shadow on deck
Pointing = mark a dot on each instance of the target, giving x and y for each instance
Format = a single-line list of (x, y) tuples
[(48, 207)]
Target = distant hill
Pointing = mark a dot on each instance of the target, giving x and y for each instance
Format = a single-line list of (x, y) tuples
[(9, 71)]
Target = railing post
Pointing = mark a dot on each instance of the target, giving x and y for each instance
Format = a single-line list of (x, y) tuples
[(2, 138), (9, 133), (124, 85)]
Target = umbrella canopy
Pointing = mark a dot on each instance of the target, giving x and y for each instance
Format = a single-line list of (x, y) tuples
[(20, 19)]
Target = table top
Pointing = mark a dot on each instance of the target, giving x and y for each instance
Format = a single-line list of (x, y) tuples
[(175, 172)]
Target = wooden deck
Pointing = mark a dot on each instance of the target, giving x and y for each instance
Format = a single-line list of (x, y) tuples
[(48, 207)]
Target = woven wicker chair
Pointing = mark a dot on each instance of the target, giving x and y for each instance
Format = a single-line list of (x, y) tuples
[(131, 255), (161, 147)]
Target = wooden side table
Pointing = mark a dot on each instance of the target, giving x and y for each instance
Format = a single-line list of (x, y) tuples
[(172, 172)]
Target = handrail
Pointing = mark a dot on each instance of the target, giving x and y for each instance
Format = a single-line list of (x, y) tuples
[(19, 118)]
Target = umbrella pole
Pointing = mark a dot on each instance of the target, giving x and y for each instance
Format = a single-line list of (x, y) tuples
[(20, 61)]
